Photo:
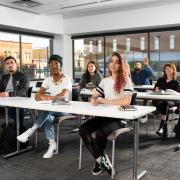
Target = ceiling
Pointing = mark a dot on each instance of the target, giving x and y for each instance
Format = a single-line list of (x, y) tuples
[(72, 8)]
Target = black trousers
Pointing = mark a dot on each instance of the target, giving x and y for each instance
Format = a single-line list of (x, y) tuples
[(103, 126), (163, 106), (12, 115)]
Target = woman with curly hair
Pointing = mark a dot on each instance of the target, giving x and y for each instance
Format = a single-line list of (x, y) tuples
[(114, 90)]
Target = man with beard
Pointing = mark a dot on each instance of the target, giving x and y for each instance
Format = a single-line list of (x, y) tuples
[(14, 83), (141, 76)]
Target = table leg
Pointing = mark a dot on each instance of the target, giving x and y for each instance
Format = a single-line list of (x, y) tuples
[(135, 154), (6, 116)]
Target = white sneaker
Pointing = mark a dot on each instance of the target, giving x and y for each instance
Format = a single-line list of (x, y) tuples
[(51, 151), (25, 136)]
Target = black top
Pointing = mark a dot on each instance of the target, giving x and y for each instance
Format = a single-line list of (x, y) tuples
[(163, 85), (20, 83)]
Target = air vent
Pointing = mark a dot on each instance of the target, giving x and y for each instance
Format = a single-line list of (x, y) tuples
[(26, 3)]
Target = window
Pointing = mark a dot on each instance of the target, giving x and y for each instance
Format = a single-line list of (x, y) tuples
[(34, 53), (128, 44), (86, 50), (142, 44), (171, 41)]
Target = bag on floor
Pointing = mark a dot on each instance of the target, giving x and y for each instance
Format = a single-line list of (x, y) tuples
[(8, 138)]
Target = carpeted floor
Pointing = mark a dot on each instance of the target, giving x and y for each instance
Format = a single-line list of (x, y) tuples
[(157, 156)]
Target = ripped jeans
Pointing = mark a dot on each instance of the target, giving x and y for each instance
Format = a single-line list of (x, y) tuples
[(45, 119)]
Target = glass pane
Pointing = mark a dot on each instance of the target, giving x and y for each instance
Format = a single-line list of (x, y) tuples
[(86, 50), (35, 53), (168, 52), (9, 45), (132, 47)]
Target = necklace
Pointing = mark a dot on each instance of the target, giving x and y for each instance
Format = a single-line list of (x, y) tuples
[(57, 82)]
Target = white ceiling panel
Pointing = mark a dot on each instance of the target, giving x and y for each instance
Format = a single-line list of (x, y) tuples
[(71, 8)]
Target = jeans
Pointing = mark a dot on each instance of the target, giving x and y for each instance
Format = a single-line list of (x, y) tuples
[(45, 119)]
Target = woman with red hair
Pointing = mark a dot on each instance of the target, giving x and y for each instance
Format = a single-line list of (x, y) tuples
[(115, 90)]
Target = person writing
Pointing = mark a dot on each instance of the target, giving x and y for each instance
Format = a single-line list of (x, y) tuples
[(113, 90), (142, 76), (59, 86)]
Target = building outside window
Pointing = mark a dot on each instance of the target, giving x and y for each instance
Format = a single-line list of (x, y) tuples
[(34, 53), (160, 47)]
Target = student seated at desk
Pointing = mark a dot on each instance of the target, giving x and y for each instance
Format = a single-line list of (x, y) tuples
[(91, 78), (58, 86), (142, 76), (111, 90), (14, 83), (168, 81)]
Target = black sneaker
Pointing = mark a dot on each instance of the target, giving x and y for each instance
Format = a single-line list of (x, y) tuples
[(106, 164), (97, 169)]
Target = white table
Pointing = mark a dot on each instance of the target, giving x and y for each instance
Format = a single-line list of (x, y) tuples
[(85, 108), (143, 87), (150, 95)]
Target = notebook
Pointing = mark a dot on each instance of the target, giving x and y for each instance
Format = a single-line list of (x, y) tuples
[(128, 108), (61, 101)]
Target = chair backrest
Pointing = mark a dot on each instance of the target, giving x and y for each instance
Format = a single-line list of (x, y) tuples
[(29, 91), (133, 99), (38, 84)]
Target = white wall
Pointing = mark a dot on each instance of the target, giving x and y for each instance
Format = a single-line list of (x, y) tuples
[(30, 21), (62, 46), (166, 15)]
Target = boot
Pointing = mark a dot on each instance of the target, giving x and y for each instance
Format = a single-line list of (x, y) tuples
[(165, 131), (160, 130)]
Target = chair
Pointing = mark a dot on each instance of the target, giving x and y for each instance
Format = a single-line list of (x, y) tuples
[(172, 110), (60, 120), (111, 137)]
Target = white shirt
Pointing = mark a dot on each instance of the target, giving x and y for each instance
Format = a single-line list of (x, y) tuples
[(55, 89), (107, 87)]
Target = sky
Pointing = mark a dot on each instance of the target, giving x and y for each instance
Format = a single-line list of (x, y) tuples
[(36, 41)]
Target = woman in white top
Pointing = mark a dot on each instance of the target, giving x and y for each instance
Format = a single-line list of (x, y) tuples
[(59, 86), (112, 90)]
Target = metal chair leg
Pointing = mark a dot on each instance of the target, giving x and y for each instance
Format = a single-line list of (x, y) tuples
[(80, 154), (57, 138), (113, 155)]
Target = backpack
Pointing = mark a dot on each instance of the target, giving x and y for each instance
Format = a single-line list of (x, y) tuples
[(177, 130), (8, 138), (8, 141)]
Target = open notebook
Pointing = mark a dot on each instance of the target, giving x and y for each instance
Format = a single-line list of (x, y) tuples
[(61, 101)]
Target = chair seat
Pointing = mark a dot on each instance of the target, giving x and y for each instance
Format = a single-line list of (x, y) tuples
[(114, 134), (60, 119)]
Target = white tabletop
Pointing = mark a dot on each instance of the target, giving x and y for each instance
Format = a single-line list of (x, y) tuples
[(143, 87), (77, 108), (150, 95)]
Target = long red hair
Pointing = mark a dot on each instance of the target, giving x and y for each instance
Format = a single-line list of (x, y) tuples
[(121, 79)]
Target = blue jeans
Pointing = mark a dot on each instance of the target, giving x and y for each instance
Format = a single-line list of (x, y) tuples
[(45, 119)]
